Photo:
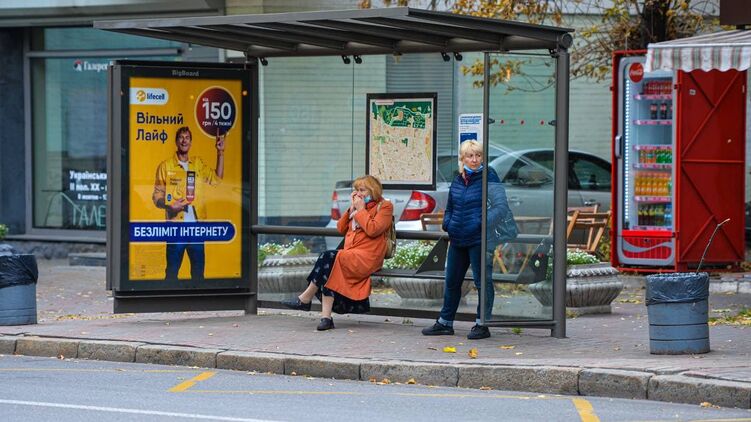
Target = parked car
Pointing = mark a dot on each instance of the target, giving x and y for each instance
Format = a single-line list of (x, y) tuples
[(527, 176)]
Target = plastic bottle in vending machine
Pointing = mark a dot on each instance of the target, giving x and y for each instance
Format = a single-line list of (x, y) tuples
[(652, 215), (668, 215), (663, 110), (660, 216), (643, 215), (669, 186), (653, 111)]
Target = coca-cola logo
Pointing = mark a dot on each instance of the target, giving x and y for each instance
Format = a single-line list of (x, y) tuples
[(636, 72)]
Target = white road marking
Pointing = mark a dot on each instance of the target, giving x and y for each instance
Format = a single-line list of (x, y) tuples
[(131, 411)]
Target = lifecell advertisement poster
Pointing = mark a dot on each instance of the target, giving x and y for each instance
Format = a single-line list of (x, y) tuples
[(185, 176)]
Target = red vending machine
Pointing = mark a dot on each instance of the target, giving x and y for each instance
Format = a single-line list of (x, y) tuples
[(678, 159)]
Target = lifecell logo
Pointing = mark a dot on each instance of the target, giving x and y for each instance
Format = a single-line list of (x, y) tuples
[(149, 96)]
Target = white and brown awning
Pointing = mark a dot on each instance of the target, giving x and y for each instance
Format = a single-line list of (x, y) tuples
[(718, 51)]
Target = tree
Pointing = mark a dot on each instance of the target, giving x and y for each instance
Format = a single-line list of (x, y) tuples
[(604, 26)]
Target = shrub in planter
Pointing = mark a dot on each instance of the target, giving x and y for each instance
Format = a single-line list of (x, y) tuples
[(284, 268), (416, 291), (591, 285)]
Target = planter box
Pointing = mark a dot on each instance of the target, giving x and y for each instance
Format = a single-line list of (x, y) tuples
[(284, 277), (422, 292), (590, 289)]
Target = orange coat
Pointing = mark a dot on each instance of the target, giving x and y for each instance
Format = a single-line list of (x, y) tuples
[(363, 252)]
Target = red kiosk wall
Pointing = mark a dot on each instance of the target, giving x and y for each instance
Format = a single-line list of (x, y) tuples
[(711, 133)]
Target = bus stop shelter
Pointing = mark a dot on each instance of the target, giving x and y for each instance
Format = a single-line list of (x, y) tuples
[(348, 35)]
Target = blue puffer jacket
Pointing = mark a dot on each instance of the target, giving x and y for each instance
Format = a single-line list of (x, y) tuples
[(463, 216)]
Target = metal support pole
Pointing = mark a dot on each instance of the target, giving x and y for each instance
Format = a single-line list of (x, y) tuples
[(484, 223), (560, 195)]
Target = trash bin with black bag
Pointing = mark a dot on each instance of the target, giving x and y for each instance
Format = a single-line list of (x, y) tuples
[(18, 280), (678, 310), (678, 307)]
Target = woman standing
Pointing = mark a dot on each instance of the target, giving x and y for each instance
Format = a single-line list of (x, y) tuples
[(463, 222), (341, 279)]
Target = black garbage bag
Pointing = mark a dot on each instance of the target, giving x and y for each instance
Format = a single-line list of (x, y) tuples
[(677, 288), (6, 249), (18, 270)]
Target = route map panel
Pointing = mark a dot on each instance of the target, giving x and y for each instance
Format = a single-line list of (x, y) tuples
[(401, 138)]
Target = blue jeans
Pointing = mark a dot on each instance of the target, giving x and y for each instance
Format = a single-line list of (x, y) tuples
[(175, 254), (457, 262)]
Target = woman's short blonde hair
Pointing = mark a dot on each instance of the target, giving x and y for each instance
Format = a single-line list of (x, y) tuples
[(466, 148), (370, 183)]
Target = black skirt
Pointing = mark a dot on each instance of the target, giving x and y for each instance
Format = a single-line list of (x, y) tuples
[(320, 275)]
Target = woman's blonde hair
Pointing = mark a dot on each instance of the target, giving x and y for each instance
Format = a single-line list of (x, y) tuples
[(370, 183), (468, 147)]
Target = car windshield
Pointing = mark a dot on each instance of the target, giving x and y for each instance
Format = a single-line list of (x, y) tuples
[(516, 169)]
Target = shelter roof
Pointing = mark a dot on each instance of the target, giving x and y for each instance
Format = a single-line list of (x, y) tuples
[(720, 50), (348, 32)]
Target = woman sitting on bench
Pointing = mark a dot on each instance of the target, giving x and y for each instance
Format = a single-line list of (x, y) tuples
[(341, 279)]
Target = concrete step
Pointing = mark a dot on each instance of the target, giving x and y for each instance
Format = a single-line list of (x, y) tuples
[(89, 259)]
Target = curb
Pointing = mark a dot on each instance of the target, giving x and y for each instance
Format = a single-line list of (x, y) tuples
[(613, 383)]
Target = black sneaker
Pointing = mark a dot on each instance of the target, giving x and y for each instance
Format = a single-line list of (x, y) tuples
[(438, 329), (297, 304), (325, 324), (478, 332)]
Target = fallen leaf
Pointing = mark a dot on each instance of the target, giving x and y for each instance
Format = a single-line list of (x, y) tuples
[(518, 353), (708, 404), (411, 381), (293, 373), (472, 353), (235, 325), (432, 348), (372, 379), (449, 349), (385, 381), (61, 357), (486, 388), (211, 334), (507, 347)]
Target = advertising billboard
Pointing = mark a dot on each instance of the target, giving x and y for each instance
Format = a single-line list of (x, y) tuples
[(183, 178)]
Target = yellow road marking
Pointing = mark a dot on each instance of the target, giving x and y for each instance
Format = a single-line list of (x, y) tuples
[(191, 382), (586, 412)]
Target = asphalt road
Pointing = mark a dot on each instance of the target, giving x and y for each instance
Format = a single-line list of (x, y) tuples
[(48, 389)]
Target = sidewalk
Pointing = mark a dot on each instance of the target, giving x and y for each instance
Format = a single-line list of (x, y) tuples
[(604, 355)]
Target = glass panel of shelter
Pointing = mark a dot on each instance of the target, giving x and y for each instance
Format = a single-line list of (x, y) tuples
[(521, 142), (312, 140)]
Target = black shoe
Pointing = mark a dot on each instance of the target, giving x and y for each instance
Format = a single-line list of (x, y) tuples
[(325, 324), (438, 329), (297, 304), (478, 332)]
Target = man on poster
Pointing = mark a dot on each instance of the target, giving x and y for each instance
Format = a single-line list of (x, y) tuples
[(177, 190)]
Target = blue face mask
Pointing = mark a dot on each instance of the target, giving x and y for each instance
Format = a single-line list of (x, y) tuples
[(367, 199), (469, 171)]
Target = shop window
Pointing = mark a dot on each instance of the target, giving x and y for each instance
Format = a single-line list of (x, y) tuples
[(69, 124)]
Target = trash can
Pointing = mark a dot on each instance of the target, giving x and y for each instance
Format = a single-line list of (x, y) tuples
[(678, 307), (18, 282)]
